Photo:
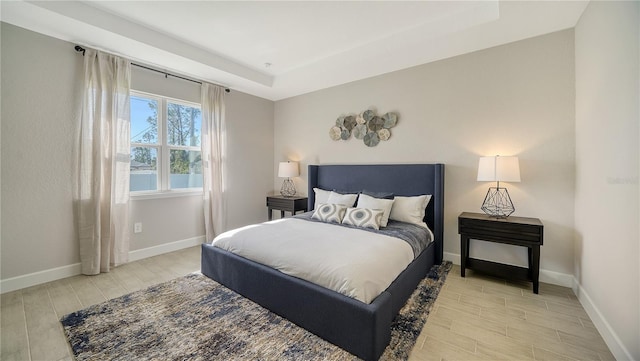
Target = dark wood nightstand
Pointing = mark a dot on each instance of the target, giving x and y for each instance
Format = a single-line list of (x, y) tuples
[(518, 231), (285, 204)]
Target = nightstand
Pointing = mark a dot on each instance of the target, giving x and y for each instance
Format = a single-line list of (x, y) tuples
[(285, 204), (517, 231)]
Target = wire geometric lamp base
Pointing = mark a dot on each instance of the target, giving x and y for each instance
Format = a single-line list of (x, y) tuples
[(497, 203), (288, 189)]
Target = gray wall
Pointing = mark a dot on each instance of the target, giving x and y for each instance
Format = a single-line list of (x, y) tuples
[(516, 99), (607, 155), (40, 76), (38, 108), (250, 158)]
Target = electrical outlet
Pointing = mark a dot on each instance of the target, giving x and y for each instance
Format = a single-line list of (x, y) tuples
[(137, 227)]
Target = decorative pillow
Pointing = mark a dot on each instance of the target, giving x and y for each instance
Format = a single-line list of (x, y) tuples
[(331, 213), (347, 199), (410, 209), (321, 197), (363, 217), (366, 201)]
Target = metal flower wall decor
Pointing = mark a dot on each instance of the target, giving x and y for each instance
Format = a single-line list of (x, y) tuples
[(366, 126)]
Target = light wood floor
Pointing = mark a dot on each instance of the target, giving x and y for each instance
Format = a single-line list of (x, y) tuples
[(31, 329), (474, 317), (483, 318)]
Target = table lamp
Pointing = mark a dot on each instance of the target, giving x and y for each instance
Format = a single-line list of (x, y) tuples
[(497, 202), (288, 170)]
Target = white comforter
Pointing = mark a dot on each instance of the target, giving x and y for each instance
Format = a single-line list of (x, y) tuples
[(356, 263)]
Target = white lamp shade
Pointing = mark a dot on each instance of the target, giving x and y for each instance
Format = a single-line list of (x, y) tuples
[(288, 169), (501, 169)]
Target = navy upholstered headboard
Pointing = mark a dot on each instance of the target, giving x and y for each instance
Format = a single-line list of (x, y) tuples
[(400, 179)]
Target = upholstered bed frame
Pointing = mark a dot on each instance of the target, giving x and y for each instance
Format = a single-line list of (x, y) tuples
[(362, 329)]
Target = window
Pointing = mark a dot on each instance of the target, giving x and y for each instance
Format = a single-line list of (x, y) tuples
[(165, 144)]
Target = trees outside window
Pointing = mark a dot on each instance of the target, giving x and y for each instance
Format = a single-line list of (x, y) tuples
[(165, 144)]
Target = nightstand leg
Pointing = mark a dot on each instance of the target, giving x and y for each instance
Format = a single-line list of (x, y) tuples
[(270, 214), (536, 267), (464, 253), (281, 214), (530, 252)]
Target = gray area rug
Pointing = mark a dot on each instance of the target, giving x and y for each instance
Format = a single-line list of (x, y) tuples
[(195, 318)]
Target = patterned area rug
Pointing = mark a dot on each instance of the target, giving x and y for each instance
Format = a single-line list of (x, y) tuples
[(195, 318)]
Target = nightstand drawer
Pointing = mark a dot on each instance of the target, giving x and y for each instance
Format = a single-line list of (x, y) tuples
[(504, 230), (521, 232), (280, 203)]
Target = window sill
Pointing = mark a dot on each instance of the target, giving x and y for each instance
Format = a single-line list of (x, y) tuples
[(140, 196)]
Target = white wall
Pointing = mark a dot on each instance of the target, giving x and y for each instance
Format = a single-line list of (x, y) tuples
[(516, 99), (40, 76), (607, 213)]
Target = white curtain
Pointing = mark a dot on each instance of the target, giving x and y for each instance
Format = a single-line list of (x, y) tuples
[(102, 156), (213, 159)]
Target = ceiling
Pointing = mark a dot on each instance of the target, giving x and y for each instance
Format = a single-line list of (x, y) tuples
[(277, 50)]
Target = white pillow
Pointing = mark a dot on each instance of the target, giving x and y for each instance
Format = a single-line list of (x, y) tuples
[(363, 217), (347, 199), (321, 197), (410, 209), (332, 213), (366, 201)]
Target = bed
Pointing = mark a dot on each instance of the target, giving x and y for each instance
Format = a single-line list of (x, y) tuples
[(360, 328)]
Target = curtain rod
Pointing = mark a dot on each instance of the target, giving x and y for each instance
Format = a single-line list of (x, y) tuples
[(79, 49)]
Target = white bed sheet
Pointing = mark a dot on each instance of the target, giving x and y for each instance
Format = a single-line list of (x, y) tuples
[(353, 262)]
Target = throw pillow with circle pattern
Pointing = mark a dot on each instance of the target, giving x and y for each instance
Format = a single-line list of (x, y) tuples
[(332, 213), (363, 217)]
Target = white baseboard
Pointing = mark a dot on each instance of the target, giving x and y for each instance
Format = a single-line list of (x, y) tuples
[(453, 257), (608, 334), (546, 276), (36, 278), (556, 278), (165, 248), (53, 274)]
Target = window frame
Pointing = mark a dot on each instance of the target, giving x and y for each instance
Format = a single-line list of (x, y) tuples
[(163, 150)]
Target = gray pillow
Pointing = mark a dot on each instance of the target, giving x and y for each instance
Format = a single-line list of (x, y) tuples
[(383, 195)]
